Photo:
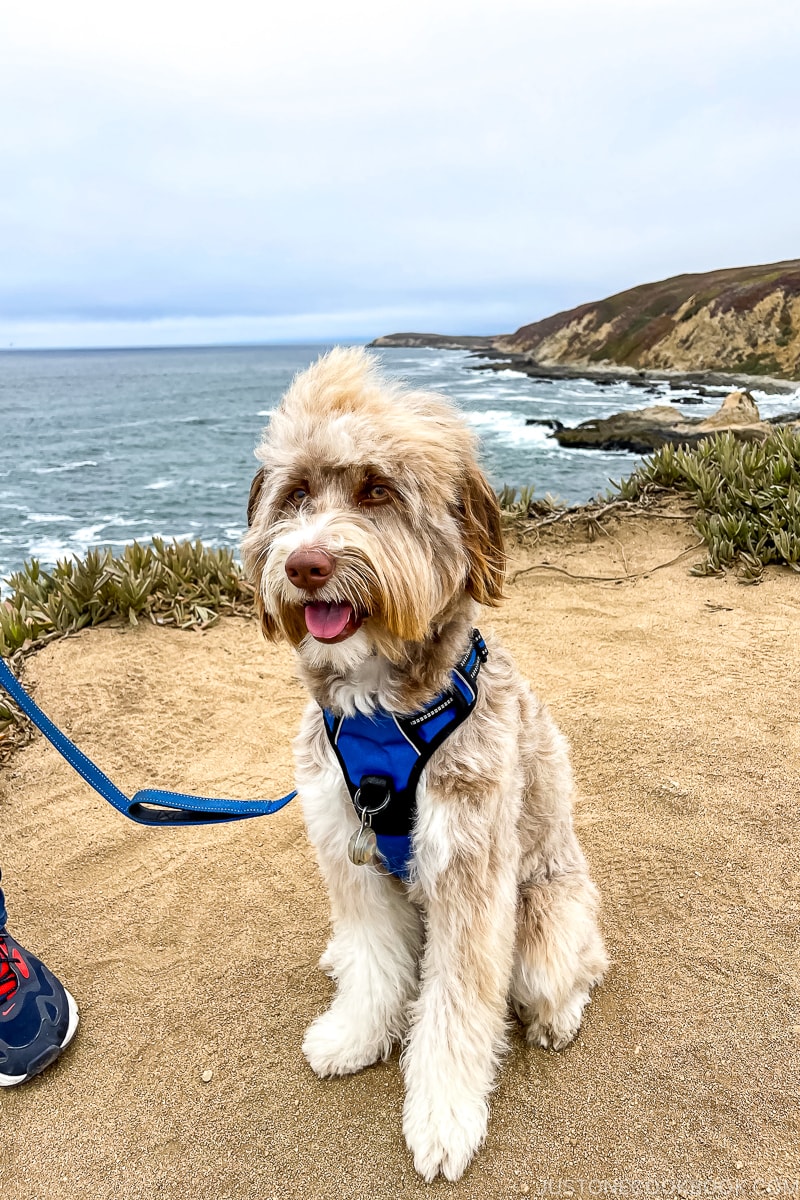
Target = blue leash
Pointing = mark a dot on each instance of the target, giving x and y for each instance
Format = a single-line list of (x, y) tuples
[(151, 806)]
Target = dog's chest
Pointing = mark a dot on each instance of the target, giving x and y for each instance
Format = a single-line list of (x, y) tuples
[(366, 688), (382, 756)]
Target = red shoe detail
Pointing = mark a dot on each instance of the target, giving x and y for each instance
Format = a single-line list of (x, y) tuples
[(8, 977), (20, 964)]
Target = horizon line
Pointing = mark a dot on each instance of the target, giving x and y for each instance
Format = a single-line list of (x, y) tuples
[(243, 345)]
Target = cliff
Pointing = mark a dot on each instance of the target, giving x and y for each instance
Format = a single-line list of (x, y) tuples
[(745, 320)]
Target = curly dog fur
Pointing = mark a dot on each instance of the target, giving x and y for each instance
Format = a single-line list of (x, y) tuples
[(370, 509)]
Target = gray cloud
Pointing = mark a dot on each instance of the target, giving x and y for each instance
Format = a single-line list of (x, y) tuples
[(346, 164)]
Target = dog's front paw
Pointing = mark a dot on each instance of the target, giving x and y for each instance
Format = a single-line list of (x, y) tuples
[(443, 1133), (336, 1045), (555, 1030)]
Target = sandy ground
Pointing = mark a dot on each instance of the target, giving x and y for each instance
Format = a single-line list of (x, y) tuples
[(196, 950)]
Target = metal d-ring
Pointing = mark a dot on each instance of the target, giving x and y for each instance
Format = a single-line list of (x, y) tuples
[(369, 812)]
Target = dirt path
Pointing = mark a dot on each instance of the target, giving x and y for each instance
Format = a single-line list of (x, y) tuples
[(196, 950)]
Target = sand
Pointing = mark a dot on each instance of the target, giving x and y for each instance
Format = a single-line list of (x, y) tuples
[(195, 951)]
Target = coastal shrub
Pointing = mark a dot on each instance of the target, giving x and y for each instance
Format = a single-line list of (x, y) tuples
[(747, 493), (519, 507), (171, 583)]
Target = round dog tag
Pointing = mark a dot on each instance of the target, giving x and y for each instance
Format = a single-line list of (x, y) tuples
[(363, 846)]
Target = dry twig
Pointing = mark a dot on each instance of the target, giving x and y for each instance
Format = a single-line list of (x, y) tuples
[(603, 578)]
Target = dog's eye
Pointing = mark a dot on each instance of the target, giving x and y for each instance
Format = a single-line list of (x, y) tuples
[(298, 495), (374, 494)]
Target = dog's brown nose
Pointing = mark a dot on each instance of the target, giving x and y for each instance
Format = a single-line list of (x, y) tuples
[(309, 569)]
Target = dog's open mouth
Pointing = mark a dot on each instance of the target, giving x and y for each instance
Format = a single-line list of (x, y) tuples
[(331, 621)]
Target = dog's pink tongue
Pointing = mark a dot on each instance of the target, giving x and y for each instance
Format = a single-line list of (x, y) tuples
[(324, 620)]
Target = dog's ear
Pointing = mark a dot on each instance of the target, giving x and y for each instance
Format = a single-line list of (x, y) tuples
[(255, 493), (268, 626), (479, 513)]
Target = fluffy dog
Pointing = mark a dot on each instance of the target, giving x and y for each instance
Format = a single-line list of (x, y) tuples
[(373, 539)]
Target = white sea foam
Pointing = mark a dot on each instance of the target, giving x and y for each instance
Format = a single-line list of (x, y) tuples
[(51, 549), (88, 534), (777, 402), (67, 466), (509, 428), (492, 416), (118, 520)]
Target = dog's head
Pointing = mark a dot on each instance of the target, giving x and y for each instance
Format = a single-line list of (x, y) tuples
[(369, 518)]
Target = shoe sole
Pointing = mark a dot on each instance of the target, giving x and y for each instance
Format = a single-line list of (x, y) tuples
[(49, 1055)]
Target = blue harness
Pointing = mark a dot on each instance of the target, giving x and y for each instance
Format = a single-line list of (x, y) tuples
[(382, 756)]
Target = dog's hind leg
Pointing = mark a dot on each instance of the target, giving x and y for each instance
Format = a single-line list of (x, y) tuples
[(559, 957), (373, 952)]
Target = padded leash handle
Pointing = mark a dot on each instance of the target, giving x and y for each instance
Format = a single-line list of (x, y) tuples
[(150, 806)]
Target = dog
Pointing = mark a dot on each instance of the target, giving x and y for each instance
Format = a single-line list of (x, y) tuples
[(373, 540)]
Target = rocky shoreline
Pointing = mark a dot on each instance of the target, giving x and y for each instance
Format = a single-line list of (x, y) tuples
[(647, 380), (639, 431), (504, 360), (646, 429)]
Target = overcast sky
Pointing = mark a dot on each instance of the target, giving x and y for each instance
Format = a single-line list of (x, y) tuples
[(177, 172)]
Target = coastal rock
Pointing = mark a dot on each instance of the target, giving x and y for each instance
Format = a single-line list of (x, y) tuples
[(739, 408), (639, 431), (790, 418), (549, 422), (646, 429)]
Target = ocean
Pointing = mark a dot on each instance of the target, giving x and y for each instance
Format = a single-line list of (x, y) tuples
[(100, 447)]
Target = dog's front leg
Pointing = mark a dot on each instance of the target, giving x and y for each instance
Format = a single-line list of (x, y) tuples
[(467, 872), (374, 952)]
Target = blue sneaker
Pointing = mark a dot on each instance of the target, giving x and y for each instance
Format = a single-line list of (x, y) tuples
[(38, 1017)]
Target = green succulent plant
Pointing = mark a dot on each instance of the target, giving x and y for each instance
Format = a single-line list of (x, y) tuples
[(170, 583), (747, 495)]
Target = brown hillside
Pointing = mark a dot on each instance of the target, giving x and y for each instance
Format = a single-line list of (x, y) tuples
[(746, 319)]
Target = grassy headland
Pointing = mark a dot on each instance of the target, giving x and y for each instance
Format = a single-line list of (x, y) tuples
[(743, 322)]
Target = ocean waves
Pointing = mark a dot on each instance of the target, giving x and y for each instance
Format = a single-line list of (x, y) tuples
[(101, 448)]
